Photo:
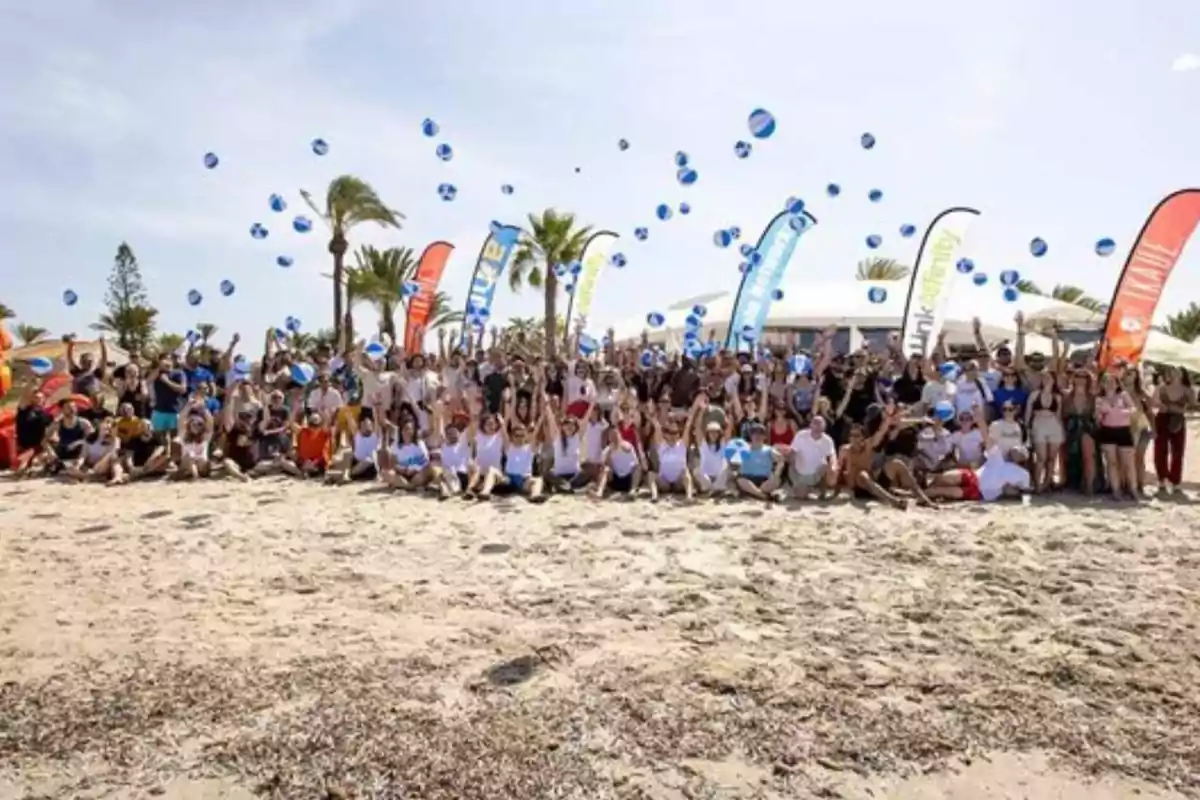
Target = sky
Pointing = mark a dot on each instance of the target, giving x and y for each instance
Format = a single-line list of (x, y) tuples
[(1067, 121)]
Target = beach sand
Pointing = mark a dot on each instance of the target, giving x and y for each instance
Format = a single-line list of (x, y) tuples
[(297, 641)]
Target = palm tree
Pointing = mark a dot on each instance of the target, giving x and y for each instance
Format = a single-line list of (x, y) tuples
[(348, 202), (881, 269), (530, 332), (379, 279), (552, 239), (205, 330), (6, 313), (30, 334), (168, 342), (441, 312), (1065, 293), (1183, 325), (133, 326)]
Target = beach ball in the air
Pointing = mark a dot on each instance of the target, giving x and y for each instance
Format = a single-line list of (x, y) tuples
[(409, 289), (663, 211), (742, 149), (227, 288), (447, 191), (761, 123), (734, 449), (980, 278), (375, 351), (833, 190), (681, 159), (587, 345), (292, 324), (755, 258), (744, 267), (575, 267), (622, 144), (655, 319), (748, 333), (429, 128), (965, 266), (211, 160), (506, 188), (735, 232), (777, 294), (40, 365), (284, 261), (794, 205), (302, 224), (746, 249), (799, 223), (686, 176), (907, 230), (877, 294), (1105, 247), (277, 203), (303, 373), (1038, 247), (320, 146), (640, 234), (867, 141), (685, 209), (1009, 277), (874, 240), (70, 298), (699, 311), (560, 270), (618, 260), (569, 288), (194, 298), (1011, 293), (444, 152), (258, 231), (875, 195)]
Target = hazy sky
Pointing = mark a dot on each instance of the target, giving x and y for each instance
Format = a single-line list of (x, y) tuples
[(1065, 120)]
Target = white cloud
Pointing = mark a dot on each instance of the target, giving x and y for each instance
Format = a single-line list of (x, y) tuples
[(1186, 63)]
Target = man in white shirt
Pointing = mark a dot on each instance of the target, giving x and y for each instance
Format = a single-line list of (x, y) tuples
[(971, 394), (324, 399), (813, 459), (1000, 476)]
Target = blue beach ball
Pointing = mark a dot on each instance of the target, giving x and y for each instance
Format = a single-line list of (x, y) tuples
[(874, 240), (284, 261), (258, 231), (663, 211), (875, 195), (761, 123), (907, 230), (320, 146), (794, 205), (681, 159), (194, 298), (877, 294), (980, 278), (69, 298), (655, 319), (735, 232), (1038, 247), (641, 234), (965, 265), (746, 249), (686, 176), (506, 188), (429, 128), (1105, 247), (211, 160), (277, 203), (777, 294), (227, 288), (447, 191), (302, 224), (685, 209), (833, 190), (622, 145), (1009, 277), (867, 141), (618, 260), (742, 149), (444, 152), (1011, 293)]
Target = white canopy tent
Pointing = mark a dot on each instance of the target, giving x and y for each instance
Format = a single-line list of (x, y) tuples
[(844, 304)]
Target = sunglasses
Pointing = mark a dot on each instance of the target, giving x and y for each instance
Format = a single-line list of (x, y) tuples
[(1006, 409)]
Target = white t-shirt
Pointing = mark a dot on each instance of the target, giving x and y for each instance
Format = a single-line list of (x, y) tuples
[(593, 442), (968, 397), (421, 386), (365, 447), (996, 474), (457, 457), (672, 461), (1006, 433), (624, 459), (934, 445), (377, 388), (326, 401), (809, 454), (411, 456), (489, 450), (712, 459), (935, 392), (969, 445), (519, 460), (566, 457)]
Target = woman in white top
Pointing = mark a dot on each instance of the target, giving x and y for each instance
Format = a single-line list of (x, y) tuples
[(566, 470), (359, 461), (623, 466), (195, 435), (101, 457), (410, 466), (519, 448), (968, 441), (670, 443), (453, 467), (711, 471)]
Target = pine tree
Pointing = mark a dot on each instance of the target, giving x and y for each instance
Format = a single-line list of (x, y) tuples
[(130, 316)]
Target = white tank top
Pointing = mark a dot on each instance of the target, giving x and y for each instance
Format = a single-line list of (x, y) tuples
[(712, 459), (623, 461), (96, 450), (365, 446), (489, 450), (593, 442), (672, 461), (566, 459), (519, 460), (196, 451), (411, 456), (456, 457)]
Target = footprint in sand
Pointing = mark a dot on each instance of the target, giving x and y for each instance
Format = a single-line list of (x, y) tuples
[(94, 529), (16, 492), (218, 496), (269, 500), (494, 548), (50, 515), (631, 533), (513, 672), (709, 526), (159, 514), (596, 525), (195, 520)]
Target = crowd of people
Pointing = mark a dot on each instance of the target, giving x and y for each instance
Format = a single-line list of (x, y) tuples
[(629, 421)]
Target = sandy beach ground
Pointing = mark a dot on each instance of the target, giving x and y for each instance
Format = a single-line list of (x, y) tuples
[(296, 641)]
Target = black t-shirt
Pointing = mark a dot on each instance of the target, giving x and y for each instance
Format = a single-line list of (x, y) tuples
[(685, 384), (493, 390), (32, 424), (861, 399), (166, 399), (907, 390), (85, 381), (833, 387), (139, 449), (902, 442)]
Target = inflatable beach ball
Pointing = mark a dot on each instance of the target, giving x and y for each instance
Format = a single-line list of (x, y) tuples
[(874, 240), (699, 311), (258, 231), (794, 205), (70, 298), (618, 260), (655, 319), (319, 146), (799, 223), (1011, 294), (877, 294), (292, 324), (622, 145), (907, 230), (875, 195), (681, 159), (227, 288), (1010, 277), (735, 232), (685, 209), (686, 176), (1105, 247), (867, 141), (40, 366), (1038, 247), (375, 351), (641, 234), (506, 188), (211, 160), (447, 191), (734, 449), (761, 123), (277, 203), (965, 266), (409, 289), (302, 224), (587, 345), (429, 128), (445, 152), (284, 261), (746, 249), (663, 211), (303, 373), (980, 278), (777, 294), (742, 149), (833, 190), (194, 298)]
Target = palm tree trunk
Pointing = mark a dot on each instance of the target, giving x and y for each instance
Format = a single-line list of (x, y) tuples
[(347, 331), (551, 313), (337, 247)]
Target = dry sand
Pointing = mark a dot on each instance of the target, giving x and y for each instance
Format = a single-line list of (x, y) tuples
[(298, 641)]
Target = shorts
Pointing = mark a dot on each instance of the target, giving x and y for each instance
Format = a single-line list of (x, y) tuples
[(164, 421), (862, 494), (1047, 431), (757, 480), (369, 474), (346, 419), (969, 483), (1115, 437), (807, 480), (621, 483), (577, 408), (513, 484)]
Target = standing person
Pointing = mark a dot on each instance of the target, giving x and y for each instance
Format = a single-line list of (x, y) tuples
[(1043, 420), (1114, 412), (813, 462), (1085, 464), (1172, 399), (170, 391), (1140, 425)]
